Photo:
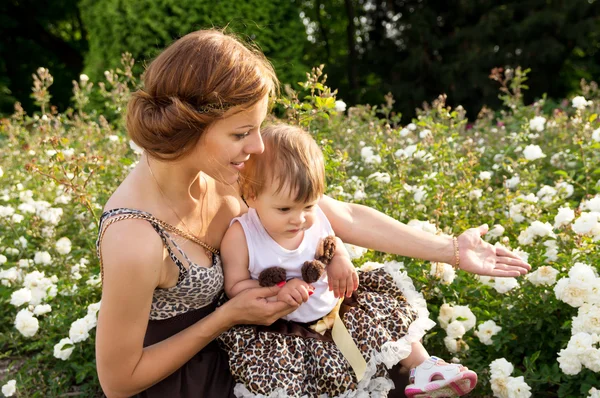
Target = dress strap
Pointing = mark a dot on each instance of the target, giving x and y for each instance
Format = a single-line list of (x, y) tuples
[(112, 216)]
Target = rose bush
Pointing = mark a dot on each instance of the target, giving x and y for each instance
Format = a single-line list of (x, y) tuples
[(531, 172)]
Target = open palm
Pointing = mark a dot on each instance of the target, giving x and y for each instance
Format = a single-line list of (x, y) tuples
[(479, 257)]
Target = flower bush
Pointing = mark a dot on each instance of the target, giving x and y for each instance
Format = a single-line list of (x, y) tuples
[(530, 172)]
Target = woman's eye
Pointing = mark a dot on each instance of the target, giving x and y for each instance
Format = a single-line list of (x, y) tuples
[(242, 136)]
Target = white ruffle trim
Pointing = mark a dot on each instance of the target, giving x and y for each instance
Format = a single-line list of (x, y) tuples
[(391, 353)]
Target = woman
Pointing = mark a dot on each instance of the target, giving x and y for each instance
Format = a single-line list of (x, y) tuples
[(198, 119)]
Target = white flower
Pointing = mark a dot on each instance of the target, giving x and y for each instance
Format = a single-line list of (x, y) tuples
[(496, 232), (587, 223), (582, 273), (503, 285), (544, 275), (83, 78), (406, 152), (94, 308), (564, 217), (20, 297), (79, 331), (594, 393), (464, 314), (3, 259), (381, 177), (569, 362), (62, 352), (485, 175), (423, 225), (444, 272), (355, 251), (455, 330), (1, 172), (113, 138), (43, 258), (587, 320), (579, 102), (26, 323), (485, 331), (340, 106), (571, 294), (595, 136), (137, 149), (513, 182), (63, 245), (592, 205), (419, 194), (475, 194), (537, 123), (411, 126), (533, 152), (517, 388), (9, 388), (446, 314), (499, 386), (501, 368), (42, 309), (424, 134), (451, 344)]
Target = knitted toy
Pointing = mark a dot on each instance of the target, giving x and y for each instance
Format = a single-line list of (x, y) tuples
[(311, 270)]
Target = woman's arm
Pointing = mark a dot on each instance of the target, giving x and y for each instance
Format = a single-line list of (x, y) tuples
[(367, 227), (124, 366)]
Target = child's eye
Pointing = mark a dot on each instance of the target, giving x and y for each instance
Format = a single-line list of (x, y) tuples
[(309, 207), (284, 209)]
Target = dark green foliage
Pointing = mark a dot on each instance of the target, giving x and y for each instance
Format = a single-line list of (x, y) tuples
[(34, 34), (145, 27), (451, 46)]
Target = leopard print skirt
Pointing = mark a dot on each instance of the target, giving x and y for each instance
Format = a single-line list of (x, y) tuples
[(384, 316)]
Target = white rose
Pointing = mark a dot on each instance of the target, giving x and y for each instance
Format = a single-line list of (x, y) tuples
[(587, 223), (446, 314), (79, 331), (26, 323), (595, 136), (485, 331), (485, 175), (20, 297), (355, 251), (533, 152), (501, 368), (587, 320), (43, 258), (9, 388), (579, 102), (503, 285), (456, 330), (61, 352), (63, 245), (42, 309), (464, 314), (537, 123), (451, 344), (564, 217), (517, 388), (340, 106), (569, 362), (544, 275)]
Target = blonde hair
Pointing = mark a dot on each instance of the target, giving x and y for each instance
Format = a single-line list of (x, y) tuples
[(190, 85), (292, 159)]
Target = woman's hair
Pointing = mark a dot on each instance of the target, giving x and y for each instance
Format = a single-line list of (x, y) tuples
[(291, 160), (190, 85)]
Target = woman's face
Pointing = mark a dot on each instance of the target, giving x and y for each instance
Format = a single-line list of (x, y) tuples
[(230, 141)]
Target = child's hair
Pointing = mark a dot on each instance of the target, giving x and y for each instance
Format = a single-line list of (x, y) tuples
[(292, 160), (190, 85)]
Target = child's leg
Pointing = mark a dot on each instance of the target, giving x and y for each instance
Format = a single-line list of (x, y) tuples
[(417, 356)]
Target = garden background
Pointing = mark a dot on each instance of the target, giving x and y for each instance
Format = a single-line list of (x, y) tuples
[(481, 112)]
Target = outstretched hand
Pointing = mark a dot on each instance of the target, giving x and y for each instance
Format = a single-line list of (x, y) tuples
[(479, 257)]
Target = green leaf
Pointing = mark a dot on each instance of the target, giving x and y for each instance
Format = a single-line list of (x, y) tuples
[(561, 173)]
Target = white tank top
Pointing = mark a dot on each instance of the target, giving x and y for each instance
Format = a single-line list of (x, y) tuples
[(264, 252)]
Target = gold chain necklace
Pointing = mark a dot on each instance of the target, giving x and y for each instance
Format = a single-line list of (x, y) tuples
[(188, 235)]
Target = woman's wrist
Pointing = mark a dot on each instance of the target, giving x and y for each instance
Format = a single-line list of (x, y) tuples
[(223, 317)]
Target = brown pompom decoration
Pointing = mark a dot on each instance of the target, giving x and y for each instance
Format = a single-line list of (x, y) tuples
[(326, 250), (312, 271), (271, 276)]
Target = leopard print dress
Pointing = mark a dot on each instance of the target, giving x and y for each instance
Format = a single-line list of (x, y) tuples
[(384, 317)]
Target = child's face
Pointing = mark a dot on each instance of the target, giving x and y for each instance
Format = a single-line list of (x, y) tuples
[(282, 217)]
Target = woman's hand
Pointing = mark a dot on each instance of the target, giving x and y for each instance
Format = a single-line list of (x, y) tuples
[(251, 307), (479, 257)]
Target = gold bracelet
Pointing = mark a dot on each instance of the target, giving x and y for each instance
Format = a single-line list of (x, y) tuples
[(456, 264)]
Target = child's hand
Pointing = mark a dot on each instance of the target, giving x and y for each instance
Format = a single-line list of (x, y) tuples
[(342, 276), (295, 292)]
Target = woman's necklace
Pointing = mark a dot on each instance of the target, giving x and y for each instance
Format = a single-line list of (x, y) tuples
[(188, 235)]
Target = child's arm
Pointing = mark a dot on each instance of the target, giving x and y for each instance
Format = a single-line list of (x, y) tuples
[(341, 273), (234, 254)]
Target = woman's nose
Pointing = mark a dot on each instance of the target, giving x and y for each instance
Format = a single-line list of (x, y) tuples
[(254, 144)]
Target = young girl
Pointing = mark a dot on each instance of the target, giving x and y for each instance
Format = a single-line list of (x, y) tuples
[(384, 315)]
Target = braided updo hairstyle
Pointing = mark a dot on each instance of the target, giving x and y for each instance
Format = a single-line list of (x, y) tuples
[(190, 85)]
